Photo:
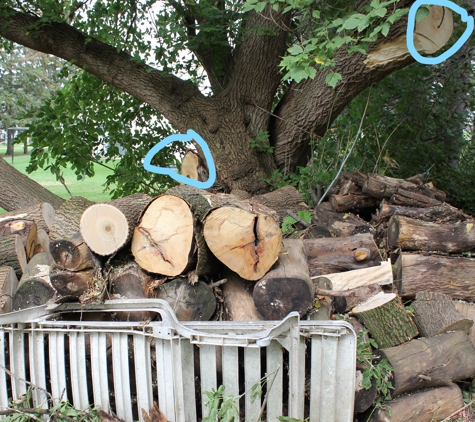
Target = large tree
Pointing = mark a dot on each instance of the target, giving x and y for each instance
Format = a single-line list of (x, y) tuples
[(254, 120)]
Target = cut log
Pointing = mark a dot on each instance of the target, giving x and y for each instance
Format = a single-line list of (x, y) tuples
[(386, 319), (8, 286), (435, 313), (238, 300), (72, 284), (338, 254), (422, 406), (441, 213), (190, 302), (67, 218), (281, 200), (107, 227), (413, 199), (411, 234), (353, 201), (43, 241), (431, 362), (448, 275), (42, 214), (382, 275), (193, 167), (27, 231), (364, 398), (12, 253), (73, 254), (287, 286), (343, 304), (32, 292), (467, 310), (339, 224), (38, 267)]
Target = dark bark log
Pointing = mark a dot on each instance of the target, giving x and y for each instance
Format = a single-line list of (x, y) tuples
[(190, 302), (8, 286), (73, 254), (12, 253), (67, 218), (352, 201), (42, 214), (72, 284), (411, 234), (441, 274), (422, 406), (431, 362), (108, 226), (287, 286), (27, 231), (344, 304), (333, 255), (413, 199), (435, 313), (238, 300), (439, 214), (339, 224), (386, 319), (22, 192)]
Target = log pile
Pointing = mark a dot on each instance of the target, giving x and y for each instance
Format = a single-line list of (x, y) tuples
[(389, 253)]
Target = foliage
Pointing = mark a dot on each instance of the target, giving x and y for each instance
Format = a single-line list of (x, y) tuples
[(288, 223), (261, 142)]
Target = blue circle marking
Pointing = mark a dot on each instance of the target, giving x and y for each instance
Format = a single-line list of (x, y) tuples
[(189, 136), (452, 50)]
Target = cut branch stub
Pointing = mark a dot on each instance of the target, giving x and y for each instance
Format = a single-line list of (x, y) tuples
[(163, 241), (247, 243)]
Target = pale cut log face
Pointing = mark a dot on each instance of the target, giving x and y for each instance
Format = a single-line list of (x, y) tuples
[(249, 244), (163, 240)]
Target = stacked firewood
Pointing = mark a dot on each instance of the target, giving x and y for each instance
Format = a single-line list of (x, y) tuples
[(375, 247)]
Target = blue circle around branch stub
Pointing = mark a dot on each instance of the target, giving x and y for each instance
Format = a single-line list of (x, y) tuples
[(452, 50)]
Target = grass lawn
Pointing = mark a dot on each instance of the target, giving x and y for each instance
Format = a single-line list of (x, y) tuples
[(90, 188)]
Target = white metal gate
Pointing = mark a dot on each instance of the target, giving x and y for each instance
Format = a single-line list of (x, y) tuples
[(126, 366)]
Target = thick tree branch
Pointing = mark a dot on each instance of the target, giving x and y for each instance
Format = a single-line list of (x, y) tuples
[(171, 96)]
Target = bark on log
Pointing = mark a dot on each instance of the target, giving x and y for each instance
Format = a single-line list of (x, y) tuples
[(287, 286), (107, 227), (411, 234), (413, 199), (441, 213), (467, 310), (448, 275), (27, 231), (386, 319), (67, 218), (12, 253), (42, 214), (238, 300), (339, 224), (422, 406), (190, 302), (73, 254), (338, 254), (435, 313), (22, 191), (72, 284), (32, 292), (382, 275), (281, 200), (353, 201), (344, 304), (431, 362), (8, 286)]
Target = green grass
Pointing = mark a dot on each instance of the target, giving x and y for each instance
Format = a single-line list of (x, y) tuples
[(90, 188)]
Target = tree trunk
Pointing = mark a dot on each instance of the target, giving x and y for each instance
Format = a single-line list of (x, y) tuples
[(12, 253), (73, 254), (422, 406), (435, 313), (42, 214), (238, 300), (287, 286), (338, 254), (22, 192), (386, 319), (107, 227), (8, 286), (27, 231), (441, 274), (67, 218), (431, 362)]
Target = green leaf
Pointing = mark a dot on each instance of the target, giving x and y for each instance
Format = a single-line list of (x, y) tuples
[(421, 13), (332, 79), (385, 28), (353, 21), (295, 49)]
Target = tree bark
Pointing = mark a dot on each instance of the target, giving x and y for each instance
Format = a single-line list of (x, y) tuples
[(431, 362), (12, 253), (448, 275), (27, 231), (440, 214), (32, 292), (42, 214), (238, 300), (410, 234), (22, 192), (287, 286), (66, 221), (422, 406), (8, 286), (386, 319), (435, 313), (353, 201)]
